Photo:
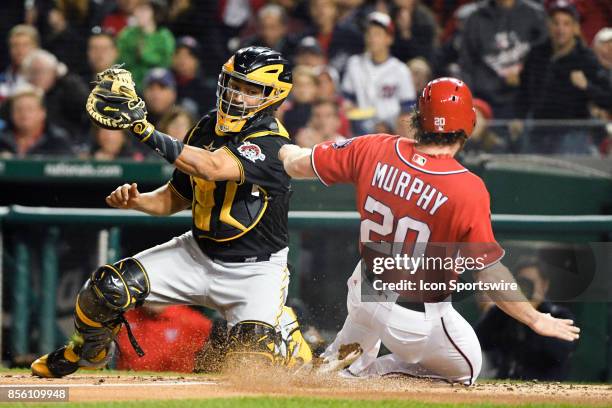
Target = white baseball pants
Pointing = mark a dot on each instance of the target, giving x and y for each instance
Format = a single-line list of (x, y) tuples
[(180, 273), (439, 343)]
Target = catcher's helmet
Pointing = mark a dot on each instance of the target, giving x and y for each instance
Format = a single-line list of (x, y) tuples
[(262, 67), (445, 106)]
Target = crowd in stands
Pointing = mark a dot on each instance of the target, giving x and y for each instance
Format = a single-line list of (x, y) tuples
[(358, 68)]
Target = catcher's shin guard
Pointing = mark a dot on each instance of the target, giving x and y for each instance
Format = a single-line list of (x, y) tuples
[(253, 342), (109, 292)]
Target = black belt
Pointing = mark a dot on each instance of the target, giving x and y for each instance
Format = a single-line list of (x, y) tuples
[(416, 306), (242, 258)]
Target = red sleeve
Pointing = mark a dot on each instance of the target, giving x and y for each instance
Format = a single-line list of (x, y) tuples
[(334, 162), (479, 239)]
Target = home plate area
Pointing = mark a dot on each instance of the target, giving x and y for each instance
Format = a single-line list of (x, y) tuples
[(127, 386)]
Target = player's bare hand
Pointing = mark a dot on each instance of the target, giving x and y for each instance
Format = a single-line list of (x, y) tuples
[(564, 329), (124, 197)]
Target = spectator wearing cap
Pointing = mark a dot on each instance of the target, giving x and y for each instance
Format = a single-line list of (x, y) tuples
[(560, 78), (159, 93), (309, 53), (272, 31), (496, 39), (30, 133), (22, 39), (376, 82), (415, 31), (194, 92), (602, 46), (65, 93), (483, 139), (146, 45)]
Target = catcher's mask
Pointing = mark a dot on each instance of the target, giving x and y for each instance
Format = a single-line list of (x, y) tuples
[(253, 80)]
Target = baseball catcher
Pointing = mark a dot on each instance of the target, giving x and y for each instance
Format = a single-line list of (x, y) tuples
[(234, 258)]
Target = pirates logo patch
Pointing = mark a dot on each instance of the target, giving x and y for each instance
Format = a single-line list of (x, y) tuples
[(251, 152)]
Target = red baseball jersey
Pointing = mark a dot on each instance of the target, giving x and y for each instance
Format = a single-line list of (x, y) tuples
[(407, 196)]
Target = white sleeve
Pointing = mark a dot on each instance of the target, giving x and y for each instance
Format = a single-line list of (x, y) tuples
[(406, 85), (348, 85), (407, 93)]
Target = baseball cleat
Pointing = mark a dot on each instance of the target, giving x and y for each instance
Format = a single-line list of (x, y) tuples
[(57, 364)]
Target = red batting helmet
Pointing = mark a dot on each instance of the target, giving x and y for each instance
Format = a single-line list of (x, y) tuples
[(445, 106)]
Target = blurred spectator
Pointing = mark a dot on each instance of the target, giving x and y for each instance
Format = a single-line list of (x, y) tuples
[(328, 91), (30, 133), (323, 126), (594, 15), (159, 93), (446, 57), (445, 10), (272, 31), (13, 13), (421, 73), (101, 54), (67, 34), (560, 78), (309, 53), (295, 113), (337, 42), (602, 46), (65, 94), (184, 18), (377, 82), (112, 145), (22, 39), (483, 139), (146, 45), (194, 92), (605, 147), (169, 335), (496, 38), (515, 350), (415, 31), (118, 18), (351, 13), (177, 123)]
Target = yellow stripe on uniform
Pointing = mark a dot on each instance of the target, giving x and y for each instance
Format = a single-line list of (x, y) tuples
[(282, 296), (84, 318)]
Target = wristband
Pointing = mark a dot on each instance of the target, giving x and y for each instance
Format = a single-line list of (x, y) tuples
[(165, 145)]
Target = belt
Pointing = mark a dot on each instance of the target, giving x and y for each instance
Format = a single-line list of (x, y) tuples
[(242, 258), (416, 306)]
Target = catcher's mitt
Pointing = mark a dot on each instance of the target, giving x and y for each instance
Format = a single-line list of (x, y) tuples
[(113, 103)]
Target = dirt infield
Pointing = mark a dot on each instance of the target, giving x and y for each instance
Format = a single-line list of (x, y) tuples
[(127, 386)]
